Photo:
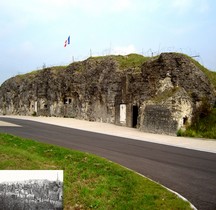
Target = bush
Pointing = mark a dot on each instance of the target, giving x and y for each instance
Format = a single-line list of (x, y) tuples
[(203, 127), (34, 114), (180, 132)]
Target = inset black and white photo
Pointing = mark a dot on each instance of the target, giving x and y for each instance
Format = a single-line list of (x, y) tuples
[(31, 189)]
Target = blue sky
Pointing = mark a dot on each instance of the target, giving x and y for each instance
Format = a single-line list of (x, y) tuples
[(33, 32)]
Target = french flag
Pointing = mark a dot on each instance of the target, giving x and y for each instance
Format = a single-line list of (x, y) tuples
[(67, 41)]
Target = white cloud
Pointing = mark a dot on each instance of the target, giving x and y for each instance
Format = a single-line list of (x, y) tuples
[(120, 5), (183, 6), (123, 50), (51, 10), (204, 6), (98, 7), (59, 3), (152, 6)]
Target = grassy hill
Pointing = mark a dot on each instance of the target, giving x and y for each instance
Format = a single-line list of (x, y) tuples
[(132, 61)]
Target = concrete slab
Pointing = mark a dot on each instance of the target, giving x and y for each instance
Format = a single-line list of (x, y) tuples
[(6, 124)]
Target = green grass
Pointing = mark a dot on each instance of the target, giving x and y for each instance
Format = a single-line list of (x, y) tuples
[(131, 61), (34, 73), (204, 127), (159, 98), (90, 182), (210, 74)]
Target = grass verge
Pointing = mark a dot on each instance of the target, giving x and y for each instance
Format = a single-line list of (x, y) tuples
[(205, 127), (90, 182)]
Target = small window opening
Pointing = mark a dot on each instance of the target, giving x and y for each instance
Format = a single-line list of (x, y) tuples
[(65, 101), (45, 106)]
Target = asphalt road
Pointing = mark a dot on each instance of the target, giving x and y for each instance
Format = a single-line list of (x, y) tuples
[(188, 172)]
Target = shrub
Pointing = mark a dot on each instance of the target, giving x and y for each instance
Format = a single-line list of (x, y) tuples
[(203, 127), (34, 114)]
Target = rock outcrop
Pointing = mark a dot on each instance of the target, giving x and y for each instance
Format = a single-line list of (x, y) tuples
[(159, 95)]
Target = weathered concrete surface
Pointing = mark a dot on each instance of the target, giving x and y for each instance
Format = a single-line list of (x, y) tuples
[(159, 95)]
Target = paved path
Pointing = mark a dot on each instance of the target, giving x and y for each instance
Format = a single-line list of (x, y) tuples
[(189, 172), (206, 145)]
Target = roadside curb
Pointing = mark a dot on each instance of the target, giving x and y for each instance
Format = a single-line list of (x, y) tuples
[(172, 191)]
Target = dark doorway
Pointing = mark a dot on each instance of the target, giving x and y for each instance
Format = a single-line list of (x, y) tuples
[(185, 120), (135, 116)]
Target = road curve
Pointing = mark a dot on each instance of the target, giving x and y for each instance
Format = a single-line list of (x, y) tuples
[(191, 173)]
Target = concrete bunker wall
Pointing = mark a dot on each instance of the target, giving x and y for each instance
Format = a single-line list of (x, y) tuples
[(158, 119), (156, 98)]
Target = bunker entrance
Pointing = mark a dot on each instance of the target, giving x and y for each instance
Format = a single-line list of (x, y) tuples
[(135, 116), (123, 114)]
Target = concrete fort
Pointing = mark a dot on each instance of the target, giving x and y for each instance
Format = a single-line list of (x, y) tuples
[(159, 94)]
